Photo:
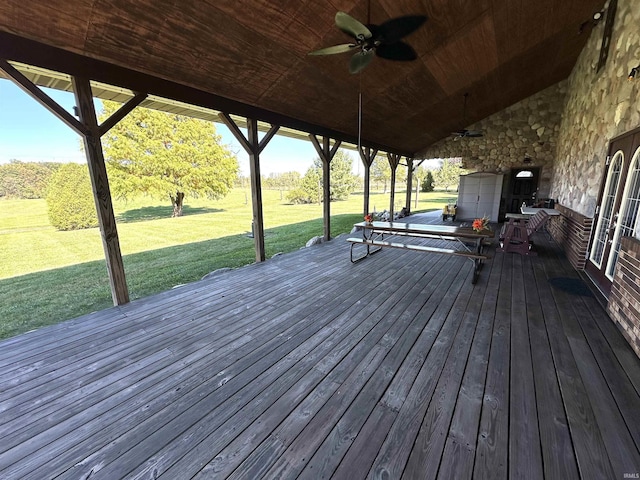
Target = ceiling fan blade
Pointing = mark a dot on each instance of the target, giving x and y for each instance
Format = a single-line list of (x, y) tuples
[(393, 30), (396, 51), (351, 26), (345, 47), (360, 60)]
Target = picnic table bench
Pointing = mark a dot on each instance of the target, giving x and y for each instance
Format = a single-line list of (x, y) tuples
[(373, 236)]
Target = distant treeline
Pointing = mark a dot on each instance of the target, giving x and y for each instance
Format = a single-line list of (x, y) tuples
[(26, 179)]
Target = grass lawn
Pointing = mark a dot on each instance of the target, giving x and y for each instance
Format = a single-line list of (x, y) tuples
[(47, 276)]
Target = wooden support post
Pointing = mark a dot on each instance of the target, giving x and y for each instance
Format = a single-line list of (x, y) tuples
[(101, 192), (409, 184), (326, 153), (256, 190), (394, 160), (87, 127), (253, 147), (367, 155)]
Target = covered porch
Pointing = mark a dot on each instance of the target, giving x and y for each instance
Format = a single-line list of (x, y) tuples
[(308, 366)]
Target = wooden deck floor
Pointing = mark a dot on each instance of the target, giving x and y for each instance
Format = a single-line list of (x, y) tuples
[(307, 366)]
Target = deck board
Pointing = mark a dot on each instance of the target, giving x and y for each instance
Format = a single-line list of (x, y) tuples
[(308, 366), (460, 447), (602, 380), (555, 438), (493, 436), (591, 454), (525, 458)]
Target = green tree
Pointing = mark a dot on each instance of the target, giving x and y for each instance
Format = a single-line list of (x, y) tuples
[(281, 181), (166, 155), (401, 175), (448, 175), (309, 189), (343, 182), (70, 204), (291, 179), (427, 182), (381, 171), (25, 179), (242, 181)]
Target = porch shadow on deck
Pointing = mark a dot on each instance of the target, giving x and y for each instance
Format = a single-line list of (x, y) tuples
[(307, 366)]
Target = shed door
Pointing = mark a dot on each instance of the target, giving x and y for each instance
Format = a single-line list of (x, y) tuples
[(618, 208)]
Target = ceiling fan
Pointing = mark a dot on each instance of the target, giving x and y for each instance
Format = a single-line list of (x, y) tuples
[(464, 132), (368, 40)]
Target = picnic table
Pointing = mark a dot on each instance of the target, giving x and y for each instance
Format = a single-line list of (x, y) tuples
[(531, 211), (373, 237)]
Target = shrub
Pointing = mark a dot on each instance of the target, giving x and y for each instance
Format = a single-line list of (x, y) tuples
[(427, 183), (25, 179), (298, 196), (70, 204)]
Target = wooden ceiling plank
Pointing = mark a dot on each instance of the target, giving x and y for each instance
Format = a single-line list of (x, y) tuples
[(506, 20), (465, 58), (291, 23), (252, 55), (65, 22)]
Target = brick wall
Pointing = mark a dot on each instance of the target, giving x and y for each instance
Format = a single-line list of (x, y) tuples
[(624, 300), (571, 230)]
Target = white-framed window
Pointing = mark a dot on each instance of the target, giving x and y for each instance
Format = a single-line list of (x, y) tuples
[(606, 209), (628, 217)]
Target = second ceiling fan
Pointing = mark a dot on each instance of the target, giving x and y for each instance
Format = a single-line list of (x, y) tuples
[(464, 132)]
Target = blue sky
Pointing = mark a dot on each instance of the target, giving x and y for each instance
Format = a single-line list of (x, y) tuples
[(29, 132)]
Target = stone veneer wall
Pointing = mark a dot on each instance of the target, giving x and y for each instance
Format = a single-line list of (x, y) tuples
[(526, 129), (624, 300), (600, 106)]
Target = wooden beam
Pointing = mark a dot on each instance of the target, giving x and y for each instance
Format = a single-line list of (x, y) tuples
[(267, 137), (122, 112), (42, 98), (228, 121), (101, 192), (394, 160), (335, 147), (326, 153), (253, 147), (409, 184), (367, 155)]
